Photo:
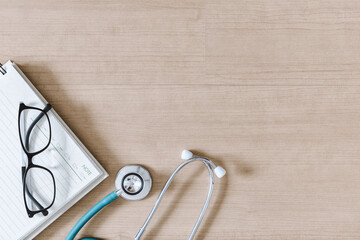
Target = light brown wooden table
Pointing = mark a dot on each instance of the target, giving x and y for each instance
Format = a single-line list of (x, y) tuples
[(269, 89)]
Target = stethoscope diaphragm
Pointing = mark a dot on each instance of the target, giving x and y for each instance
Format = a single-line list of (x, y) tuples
[(133, 182)]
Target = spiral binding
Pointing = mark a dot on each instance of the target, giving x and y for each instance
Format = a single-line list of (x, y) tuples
[(2, 70)]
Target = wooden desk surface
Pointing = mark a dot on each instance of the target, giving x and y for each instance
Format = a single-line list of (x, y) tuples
[(269, 89)]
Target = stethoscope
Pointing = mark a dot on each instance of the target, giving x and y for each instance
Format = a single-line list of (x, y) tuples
[(133, 182)]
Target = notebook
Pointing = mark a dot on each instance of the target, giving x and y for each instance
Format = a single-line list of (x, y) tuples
[(76, 171)]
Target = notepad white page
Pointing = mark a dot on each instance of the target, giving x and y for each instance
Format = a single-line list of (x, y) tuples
[(76, 171)]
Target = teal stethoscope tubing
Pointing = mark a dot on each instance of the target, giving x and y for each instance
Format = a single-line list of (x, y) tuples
[(94, 210)]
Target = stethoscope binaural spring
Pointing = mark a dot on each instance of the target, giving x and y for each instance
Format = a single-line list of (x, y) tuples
[(133, 182)]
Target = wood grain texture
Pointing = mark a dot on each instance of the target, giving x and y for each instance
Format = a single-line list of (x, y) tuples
[(269, 89)]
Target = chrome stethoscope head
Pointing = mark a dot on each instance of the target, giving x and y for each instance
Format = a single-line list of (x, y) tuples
[(133, 182)]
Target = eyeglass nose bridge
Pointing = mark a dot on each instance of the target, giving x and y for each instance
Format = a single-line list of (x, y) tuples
[(30, 157)]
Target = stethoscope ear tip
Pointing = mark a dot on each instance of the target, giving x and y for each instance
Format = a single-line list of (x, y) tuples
[(219, 172), (186, 155)]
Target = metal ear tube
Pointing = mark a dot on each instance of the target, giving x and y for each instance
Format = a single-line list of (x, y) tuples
[(189, 158)]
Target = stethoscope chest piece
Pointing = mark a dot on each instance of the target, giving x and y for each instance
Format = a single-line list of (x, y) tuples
[(133, 182)]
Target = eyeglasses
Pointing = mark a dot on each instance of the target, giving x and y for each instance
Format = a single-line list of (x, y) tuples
[(38, 182)]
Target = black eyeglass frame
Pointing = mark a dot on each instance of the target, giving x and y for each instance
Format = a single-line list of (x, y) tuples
[(30, 155)]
